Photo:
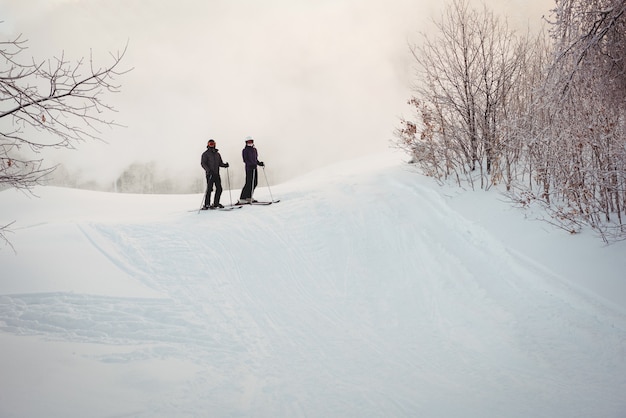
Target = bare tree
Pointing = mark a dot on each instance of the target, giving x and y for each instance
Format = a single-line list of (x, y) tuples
[(546, 116), (467, 74), (52, 103)]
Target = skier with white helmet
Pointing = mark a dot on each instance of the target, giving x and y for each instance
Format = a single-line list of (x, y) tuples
[(250, 158)]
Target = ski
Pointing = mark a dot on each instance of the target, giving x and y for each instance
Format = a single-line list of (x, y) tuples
[(253, 203), (260, 203), (226, 208), (266, 203)]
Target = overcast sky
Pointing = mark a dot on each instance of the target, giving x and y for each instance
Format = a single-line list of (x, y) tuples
[(313, 81)]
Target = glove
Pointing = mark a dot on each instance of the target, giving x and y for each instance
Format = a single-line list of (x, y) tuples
[(226, 165), (261, 163)]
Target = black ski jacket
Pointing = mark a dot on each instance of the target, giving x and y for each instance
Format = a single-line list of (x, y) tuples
[(211, 161)]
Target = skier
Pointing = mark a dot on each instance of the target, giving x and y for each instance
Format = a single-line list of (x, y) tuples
[(250, 159), (211, 161)]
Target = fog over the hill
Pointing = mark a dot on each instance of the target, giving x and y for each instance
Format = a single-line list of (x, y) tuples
[(314, 81)]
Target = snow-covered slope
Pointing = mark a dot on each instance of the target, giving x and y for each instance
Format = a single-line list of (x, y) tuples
[(365, 292)]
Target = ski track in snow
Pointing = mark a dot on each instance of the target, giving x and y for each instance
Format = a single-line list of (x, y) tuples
[(290, 310)]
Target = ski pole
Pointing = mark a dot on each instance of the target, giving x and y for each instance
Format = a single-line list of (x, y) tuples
[(252, 186), (230, 195), (268, 184), (203, 197)]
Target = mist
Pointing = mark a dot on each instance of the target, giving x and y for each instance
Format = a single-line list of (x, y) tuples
[(314, 81)]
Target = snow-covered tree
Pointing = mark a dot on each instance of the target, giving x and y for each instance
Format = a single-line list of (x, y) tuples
[(580, 148), (546, 116), (466, 80)]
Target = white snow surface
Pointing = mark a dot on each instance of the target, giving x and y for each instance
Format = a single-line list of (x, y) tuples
[(368, 291)]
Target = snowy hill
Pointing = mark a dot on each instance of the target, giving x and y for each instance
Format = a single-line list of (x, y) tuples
[(366, 292)]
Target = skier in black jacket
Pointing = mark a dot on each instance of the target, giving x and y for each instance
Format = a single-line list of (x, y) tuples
[(211, 161)]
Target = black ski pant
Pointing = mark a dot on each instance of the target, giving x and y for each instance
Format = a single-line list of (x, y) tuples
[(211, 180), (251, 183)]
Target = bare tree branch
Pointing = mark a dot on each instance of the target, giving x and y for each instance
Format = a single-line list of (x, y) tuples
[(53, 103)]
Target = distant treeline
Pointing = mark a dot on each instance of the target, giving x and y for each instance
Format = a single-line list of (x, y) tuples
[(136, 178)]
